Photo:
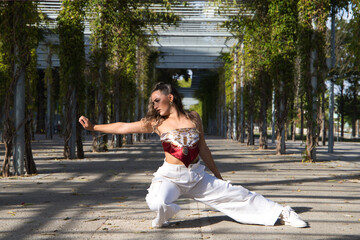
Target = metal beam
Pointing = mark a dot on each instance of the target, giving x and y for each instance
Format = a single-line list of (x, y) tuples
[(189, 65), (193, 34)]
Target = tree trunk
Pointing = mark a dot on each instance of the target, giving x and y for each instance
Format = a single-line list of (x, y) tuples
[(301, 119), (342, 126), (136, 115), (250, 137), (8, 140), (32, 129), (117, 110), (9, 129), (8, 152), (19, 107), (297, 98), (242, 122), (67, 133), (221, 127), (29, 160), (291, 123), (312, 114), (142, 107), (355, 106), (323, 117), (273, 118), (70, 132), (342, 108), (79, 143), (129, 137), (224, 125), (234, 125), (229, 125), (101, 140), (263, 142), (100, 145), (49, 120), (294, 131), (331, 95), (73, 121), (353, 127), (2, 124), (280, 139), (281, 119), (251, 126), (94, 141)]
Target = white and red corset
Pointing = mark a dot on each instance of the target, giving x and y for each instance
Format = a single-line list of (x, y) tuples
[(182, 143)]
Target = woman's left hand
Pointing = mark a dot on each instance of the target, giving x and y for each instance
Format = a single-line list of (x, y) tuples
[(86, 123)]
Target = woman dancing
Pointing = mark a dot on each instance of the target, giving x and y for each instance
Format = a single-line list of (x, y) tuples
[(182, 174)]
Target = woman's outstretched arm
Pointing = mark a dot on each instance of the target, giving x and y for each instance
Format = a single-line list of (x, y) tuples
[(117, 128), (205, 153)]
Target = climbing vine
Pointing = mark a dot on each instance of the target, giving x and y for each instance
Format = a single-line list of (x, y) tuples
[(72, 66), (18, 37), (118, 55), (268, 32), (311, 42)]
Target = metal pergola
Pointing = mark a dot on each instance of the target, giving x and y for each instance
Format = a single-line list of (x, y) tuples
[(195, 43), (198, 40)]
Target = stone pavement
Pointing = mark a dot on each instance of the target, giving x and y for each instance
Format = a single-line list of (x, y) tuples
[(102, 196)]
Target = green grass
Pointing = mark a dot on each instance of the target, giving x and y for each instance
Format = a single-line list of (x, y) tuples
[(183, 84)]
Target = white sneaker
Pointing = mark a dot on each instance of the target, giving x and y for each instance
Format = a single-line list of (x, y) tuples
[(156, 225), (290, 217)]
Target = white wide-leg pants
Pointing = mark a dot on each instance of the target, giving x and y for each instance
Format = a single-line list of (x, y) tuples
[(172, 181)]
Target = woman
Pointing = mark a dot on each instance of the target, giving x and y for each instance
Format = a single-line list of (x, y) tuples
[(182, 174)]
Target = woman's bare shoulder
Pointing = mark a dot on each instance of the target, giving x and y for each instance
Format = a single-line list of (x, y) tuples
[(196, 118)]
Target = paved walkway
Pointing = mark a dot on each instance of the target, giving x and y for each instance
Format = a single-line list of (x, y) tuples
[(102, 196)]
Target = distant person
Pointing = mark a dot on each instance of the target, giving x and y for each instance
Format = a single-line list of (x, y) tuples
[(182, 174)]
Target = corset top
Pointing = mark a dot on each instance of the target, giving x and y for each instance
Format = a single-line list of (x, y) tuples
[(182, 143)]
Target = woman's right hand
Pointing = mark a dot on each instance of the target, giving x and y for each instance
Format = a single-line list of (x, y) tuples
[(86, 123)]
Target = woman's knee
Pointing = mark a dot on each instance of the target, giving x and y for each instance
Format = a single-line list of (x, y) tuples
[(160, 193), (154, 203), (155, 197)]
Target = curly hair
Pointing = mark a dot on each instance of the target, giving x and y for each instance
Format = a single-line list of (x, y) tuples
[(152, 116)]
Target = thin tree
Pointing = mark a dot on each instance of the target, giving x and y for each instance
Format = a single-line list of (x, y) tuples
[(283, 15), (354, 51), (312, 29), (18, 38), (116, 28), (72, 65)]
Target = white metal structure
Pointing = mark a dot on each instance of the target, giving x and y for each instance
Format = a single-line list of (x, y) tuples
[(195, 43)]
